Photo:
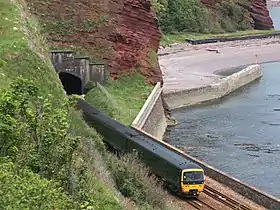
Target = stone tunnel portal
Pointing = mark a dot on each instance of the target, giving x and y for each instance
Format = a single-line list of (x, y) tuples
[(71, 83)]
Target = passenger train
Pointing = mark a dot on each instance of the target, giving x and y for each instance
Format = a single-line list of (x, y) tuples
[(179, 173)]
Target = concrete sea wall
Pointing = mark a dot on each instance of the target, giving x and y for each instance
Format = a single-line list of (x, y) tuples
[(151, 118), (213, 91)]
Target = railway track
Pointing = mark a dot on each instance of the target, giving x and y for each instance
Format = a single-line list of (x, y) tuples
[(199, 204), (226, 200)]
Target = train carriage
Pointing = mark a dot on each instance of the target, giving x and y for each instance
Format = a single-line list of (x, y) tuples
[(181, 174)]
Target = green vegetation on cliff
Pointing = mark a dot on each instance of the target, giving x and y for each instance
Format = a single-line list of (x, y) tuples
[(35, 125), (193, 16), (49, 157)]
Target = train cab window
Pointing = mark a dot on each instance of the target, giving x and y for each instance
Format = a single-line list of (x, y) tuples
[(192, 176)]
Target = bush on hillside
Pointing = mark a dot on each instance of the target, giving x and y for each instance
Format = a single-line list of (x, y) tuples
[(183, 15), (233, 17), (192, 16), (40, 138), (22, 189), (134, 180), (34, 133), (159, 6)]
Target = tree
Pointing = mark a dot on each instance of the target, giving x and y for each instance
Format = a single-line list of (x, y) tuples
[(183, 15), (159, 6)]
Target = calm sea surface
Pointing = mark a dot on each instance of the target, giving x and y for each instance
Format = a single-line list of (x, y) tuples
[(275, 14), (240, 135)]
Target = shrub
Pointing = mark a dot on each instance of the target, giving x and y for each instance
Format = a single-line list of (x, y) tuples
[(37, 135), (193, 16), (34, 132), (22, 189), (182, 15), (135, 181), (233, 17)]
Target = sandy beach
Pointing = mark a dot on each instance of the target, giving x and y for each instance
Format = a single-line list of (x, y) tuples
[(186, 66)]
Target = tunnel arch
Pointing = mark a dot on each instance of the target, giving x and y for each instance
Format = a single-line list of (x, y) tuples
[(72, 84)]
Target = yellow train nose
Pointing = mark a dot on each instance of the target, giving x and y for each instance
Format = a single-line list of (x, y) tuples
[(193, 188)]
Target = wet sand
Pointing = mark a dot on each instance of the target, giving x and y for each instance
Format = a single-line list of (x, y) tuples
[(186, 66)]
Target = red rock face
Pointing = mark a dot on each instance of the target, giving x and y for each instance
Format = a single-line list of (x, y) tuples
[(136, 40), (258, 10), (125, 40), (261, 15)]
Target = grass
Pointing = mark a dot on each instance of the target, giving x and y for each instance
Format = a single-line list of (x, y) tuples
[(121, 99), (22, 50), (181, 37)]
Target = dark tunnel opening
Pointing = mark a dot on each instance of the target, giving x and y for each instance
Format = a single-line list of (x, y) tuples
[(71, 83)]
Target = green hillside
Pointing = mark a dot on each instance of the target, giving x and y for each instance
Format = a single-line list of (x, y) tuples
[(49, 157)]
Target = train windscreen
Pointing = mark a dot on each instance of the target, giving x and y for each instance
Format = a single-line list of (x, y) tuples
[(192, 176)]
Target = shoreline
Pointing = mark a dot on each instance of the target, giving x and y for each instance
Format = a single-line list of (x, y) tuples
[(186, 67)]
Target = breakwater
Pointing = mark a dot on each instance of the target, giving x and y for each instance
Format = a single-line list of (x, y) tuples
[(216, 90)]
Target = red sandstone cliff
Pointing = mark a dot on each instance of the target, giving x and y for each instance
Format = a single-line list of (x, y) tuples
[(258, 10), (124, 33), (260, 14)]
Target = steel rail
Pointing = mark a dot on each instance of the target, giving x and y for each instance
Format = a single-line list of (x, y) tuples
[(222, 198)]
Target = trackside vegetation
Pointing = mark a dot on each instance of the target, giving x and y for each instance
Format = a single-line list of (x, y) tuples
[(121, 99), (49, 157)]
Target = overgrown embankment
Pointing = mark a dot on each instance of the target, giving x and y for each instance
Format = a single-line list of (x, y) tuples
[(49, 157)]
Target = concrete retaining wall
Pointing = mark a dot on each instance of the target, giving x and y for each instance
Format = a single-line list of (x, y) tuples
[(215, 90), (151, 117), (247, 191)]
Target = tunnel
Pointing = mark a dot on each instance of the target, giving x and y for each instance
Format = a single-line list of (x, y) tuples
[(71, 83)]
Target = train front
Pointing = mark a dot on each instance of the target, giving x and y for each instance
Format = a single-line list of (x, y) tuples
[(192, 181)]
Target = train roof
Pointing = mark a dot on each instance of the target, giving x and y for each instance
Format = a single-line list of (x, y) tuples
[(139, 138), (161, 151)]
